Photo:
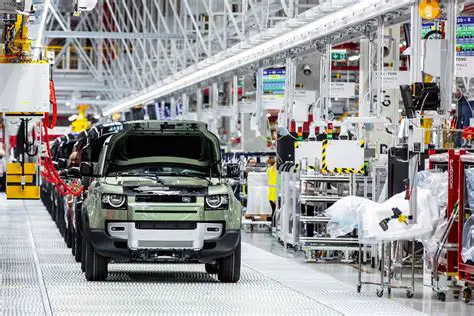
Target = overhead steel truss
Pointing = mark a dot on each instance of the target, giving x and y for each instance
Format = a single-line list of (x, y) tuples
[(124, 47), (308, 31)]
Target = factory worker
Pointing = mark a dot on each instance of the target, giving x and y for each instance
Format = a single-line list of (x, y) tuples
[(272, 179)]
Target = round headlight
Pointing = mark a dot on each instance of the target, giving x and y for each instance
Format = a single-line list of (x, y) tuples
[(214, 201), (116, 200)]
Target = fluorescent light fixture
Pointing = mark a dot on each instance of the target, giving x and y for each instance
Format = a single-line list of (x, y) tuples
[(354, 58), (236, 57)]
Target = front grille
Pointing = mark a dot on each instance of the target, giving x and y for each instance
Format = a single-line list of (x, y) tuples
[(166, 225), (165, 199), (165, 244)]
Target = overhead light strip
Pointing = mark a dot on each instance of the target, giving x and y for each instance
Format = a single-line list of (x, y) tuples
[(324, 26)]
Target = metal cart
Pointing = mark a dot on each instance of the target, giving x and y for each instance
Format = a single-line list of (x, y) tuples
[(385, 268)]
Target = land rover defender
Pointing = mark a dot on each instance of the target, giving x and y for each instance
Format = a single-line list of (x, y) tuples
[(159, 195)]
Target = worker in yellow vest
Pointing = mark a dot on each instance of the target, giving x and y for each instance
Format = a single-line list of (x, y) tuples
[(272, 181)]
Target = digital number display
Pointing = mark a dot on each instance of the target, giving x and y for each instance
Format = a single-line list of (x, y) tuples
[(274, 81)]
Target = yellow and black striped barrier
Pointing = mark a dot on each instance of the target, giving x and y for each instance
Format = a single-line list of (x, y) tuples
[(349, 170), (324, 165)]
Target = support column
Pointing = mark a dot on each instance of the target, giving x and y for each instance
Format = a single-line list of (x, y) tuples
[(185, 102), (325, 82), (364, 86), (290, 88), (235, 104), (415, 45), (199, 104), (448, 67), (162, 110), (258, 101), (173, 108), (215, 108)]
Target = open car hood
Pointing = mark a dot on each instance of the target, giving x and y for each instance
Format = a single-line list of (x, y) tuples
[(160, 143)]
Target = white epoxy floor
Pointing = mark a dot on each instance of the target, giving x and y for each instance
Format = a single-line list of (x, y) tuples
[(38, 276)]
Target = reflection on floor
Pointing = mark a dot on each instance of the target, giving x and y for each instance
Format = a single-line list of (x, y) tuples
[(424, 300)]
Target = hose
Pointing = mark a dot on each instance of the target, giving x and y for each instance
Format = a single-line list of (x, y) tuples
[(50, 174)]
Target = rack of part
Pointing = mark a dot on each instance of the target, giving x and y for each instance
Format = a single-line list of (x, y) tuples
[(318, 192), (465, 213), (446, 256)]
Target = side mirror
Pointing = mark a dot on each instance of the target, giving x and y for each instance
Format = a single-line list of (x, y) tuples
[(62, 163), (233, 170), (74, 172), (87, 169)]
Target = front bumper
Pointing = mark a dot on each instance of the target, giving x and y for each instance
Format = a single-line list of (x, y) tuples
[(134, 244)]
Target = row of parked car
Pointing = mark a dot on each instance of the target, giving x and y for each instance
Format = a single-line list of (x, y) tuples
[(153, 191)]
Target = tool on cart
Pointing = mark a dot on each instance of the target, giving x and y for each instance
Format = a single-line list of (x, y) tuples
[(398, 215)]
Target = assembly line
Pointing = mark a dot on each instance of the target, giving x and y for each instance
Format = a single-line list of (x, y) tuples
[(237, 157)]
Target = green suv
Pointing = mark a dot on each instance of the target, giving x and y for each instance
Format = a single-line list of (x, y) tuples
[(159, 195)]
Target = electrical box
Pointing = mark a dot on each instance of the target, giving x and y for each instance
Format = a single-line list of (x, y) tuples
[(302, 101), (22, 182), (24, 88)]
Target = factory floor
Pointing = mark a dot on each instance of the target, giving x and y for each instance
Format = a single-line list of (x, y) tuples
[(424, 299), (38, 276)]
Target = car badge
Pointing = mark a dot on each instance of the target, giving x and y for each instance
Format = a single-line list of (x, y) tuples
[(186, 199)]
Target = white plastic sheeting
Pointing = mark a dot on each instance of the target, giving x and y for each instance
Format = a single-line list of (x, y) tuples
[(257, 197), (470, 186), (355, 212), (431, 245), (437, 183), (467, 251)]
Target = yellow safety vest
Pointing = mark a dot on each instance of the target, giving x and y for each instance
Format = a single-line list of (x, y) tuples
[(272, 181)]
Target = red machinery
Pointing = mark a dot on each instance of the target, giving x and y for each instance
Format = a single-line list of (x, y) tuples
[(445, 260)]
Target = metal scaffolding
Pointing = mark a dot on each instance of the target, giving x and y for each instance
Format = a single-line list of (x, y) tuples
[(123, 47)]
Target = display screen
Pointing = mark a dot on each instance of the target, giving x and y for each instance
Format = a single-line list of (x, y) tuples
[(465, 36), (464, 33), (274, 81)]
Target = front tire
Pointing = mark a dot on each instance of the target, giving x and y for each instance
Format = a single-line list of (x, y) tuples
[(78, 247), (211, 268), (229, 268), (68, 237), (96, 266), (83, 256)]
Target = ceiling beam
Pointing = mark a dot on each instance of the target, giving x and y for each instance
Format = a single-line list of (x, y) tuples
[(84, 101), (111, 35)]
